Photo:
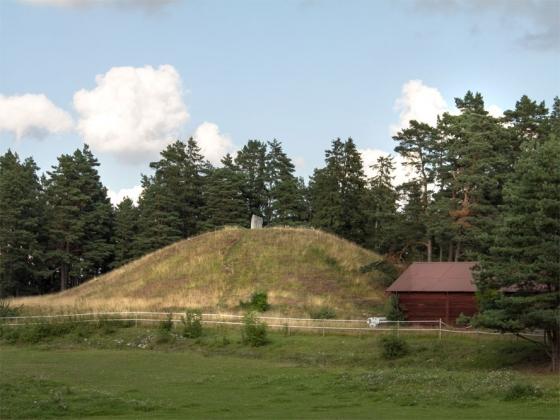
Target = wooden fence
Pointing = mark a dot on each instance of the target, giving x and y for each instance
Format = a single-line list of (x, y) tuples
[(288, 325)]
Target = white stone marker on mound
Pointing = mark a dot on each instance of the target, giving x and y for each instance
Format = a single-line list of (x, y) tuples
[(256, 222)]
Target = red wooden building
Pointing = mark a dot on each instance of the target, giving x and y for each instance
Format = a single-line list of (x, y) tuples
[(430, 291)]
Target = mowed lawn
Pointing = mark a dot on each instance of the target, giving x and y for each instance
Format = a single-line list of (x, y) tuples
[(198, 380)]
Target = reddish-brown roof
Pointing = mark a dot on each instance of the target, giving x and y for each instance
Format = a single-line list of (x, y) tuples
[(436, 277)]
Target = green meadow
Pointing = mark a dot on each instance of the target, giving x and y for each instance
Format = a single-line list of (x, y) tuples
[(105, 371)]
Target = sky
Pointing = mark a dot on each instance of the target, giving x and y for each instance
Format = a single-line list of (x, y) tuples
[(129, 76)]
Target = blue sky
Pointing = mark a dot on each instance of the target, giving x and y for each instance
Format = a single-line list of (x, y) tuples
[(301, 71)]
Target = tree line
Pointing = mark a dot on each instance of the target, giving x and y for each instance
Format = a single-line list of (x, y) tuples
[(59, 229)]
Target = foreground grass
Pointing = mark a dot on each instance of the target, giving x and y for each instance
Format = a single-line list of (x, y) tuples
[(136, 372)]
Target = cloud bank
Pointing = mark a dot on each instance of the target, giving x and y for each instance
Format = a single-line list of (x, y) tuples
[(424, 103), (32, 116), (117, 196), (213, 144), (133, 112), (534, 21), (418, 102), (402, 172)]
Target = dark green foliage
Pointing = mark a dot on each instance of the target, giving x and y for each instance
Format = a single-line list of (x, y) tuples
[(257, 302), (393, 311), (167, 324), (286, 202), (78, 219), (394, 347), (225, 202), (381, 207), (251, 162), (192, 324), (324, 312), (337, 193), (22, 264), (255, 332), (125, 232), (388, 269), (523, 258), (172, 201), (522, 391)]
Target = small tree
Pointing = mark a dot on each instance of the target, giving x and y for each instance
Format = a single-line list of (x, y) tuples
[(192, 324), (393, 311), (254, 332)]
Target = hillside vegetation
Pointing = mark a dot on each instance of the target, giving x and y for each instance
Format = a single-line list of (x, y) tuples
[(302, 270)]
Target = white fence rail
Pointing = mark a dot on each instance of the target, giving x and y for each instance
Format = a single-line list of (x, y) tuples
[(289, 325)]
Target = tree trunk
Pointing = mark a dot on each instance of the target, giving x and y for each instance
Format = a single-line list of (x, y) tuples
[(457, 251), (63, 276), (440, 253), (429, 249), (554, 343), (450, 252)]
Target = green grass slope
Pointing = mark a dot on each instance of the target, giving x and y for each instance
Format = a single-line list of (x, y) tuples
[(301, 269)]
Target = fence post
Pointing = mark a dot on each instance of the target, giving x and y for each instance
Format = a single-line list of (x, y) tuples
[(440, 329), (398, 324), (136, 319)]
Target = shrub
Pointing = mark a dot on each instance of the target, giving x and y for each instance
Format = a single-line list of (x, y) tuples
[(393, 311), (388, 271), (324, 312), (258, 302), (522, 391), (167, 324), (394, 347), (254, 332), (192, 324), (463, 320)]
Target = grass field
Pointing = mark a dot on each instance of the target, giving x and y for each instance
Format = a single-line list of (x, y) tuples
[(107, 372), (301, 269)]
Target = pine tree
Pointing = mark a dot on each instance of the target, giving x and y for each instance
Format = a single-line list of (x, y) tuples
[(21, 250), (125, 232), (172, 199), (79, 219), (225, 203), (286, 203), (476, 166), (337, 192), (519, 281), (251, 161), (382, 206)]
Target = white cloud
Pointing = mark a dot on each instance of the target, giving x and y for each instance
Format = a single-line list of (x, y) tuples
[(133, 112), (418, 102), (299, 163), (33, 116), (495, 111), (402, 172), (142, 4), (117, 196), (213, 144), (424, 103)]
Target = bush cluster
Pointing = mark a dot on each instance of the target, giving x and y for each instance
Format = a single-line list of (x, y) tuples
[(192, 324), (257, 302), (393, 347), (254, 332), (520, 391)]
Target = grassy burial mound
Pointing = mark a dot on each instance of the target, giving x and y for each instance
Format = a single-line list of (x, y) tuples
[(303, 270)]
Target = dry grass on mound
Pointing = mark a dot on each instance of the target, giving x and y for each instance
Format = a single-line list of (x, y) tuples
[(301, 269)]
